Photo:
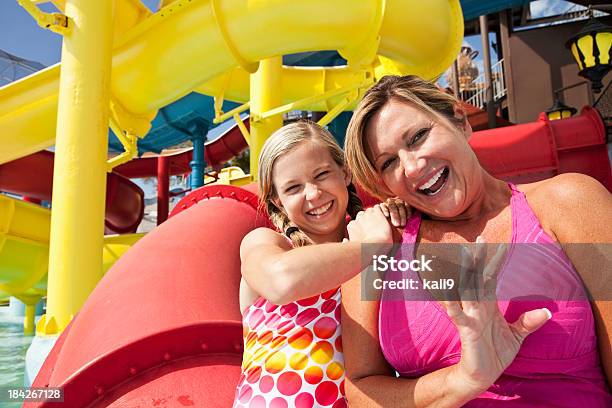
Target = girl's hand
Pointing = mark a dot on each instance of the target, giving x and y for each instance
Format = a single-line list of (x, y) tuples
[(397, 211), (370, 226), (489, 343)]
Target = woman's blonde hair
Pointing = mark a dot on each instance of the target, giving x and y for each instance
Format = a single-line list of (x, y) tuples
[(410, 89), (282, 142)]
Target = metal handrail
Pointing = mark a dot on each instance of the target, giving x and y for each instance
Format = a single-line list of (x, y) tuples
[(499, 86)]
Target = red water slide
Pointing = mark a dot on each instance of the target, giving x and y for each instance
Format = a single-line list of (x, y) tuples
[(162, 328), (543, 149), (32, 176)]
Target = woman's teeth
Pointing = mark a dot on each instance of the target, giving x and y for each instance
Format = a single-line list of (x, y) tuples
[(320, 210), (435, 184), (432, 180)]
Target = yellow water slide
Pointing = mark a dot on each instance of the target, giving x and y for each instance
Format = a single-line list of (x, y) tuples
[(212, 46)]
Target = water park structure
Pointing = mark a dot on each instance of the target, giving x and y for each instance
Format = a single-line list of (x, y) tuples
[(135, 319)]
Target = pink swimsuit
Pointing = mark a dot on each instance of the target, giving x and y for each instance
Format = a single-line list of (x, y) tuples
[(293, 354), (557, 366)]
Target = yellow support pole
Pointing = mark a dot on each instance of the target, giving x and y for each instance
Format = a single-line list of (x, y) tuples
[(79, 178), (266, 93), (222, 117), (28, 320), (242, 127)]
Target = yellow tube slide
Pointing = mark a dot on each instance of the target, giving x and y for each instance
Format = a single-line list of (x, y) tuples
[(24, 248), (195, 44)]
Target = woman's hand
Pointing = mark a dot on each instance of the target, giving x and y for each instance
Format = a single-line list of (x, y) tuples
[(397, 211), (370, 226), (489, 343)]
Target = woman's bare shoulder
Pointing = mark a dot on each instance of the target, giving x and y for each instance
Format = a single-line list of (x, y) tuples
[(556, 199), (567, 189)]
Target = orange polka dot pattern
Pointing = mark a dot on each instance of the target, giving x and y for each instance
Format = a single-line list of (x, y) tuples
[(293, 355)]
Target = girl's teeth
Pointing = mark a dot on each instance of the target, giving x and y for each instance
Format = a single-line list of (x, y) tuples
[(320, 210), (432, 180)]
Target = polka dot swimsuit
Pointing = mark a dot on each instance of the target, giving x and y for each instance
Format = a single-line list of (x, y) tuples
[(293, 354)]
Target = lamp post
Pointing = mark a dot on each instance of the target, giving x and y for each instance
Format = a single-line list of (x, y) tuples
[(591, 48), (559, 110)]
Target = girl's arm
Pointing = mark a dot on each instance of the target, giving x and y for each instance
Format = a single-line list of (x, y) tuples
[(281, 274), (579, 210)]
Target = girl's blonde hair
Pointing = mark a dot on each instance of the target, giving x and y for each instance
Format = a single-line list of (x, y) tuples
[(410, 89), (281, 142)]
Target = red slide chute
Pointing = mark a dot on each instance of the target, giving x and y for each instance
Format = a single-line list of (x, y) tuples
[(32, 176)]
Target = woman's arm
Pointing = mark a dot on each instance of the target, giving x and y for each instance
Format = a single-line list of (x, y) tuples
[(370, 382), (281, 274), (488, 345), (579, 211)]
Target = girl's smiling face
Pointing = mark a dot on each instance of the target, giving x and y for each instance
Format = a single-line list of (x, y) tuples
[(311, 188), (422, 159)]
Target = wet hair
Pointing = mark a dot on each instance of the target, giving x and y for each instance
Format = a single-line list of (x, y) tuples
[(411, 90), (283, 141)]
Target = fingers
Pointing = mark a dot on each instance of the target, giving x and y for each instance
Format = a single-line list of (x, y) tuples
[(455, 312), (480, 253), (467, 283), (396, 218), (482, 284), (405, 211), (492, 270), (370, 225), (385, 209), (396, 210), (453, 308), (400, 209), (529, 322)]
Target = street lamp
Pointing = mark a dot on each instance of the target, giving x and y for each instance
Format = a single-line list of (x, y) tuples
[(591, 49), (559, 111)]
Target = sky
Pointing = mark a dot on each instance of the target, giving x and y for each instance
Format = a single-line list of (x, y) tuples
[(545, 8), (21, 36)]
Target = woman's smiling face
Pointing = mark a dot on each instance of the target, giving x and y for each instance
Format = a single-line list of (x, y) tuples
[(312, 190), (421, 160)]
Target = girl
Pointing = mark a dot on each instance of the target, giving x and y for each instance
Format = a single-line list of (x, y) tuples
[(289, 293)]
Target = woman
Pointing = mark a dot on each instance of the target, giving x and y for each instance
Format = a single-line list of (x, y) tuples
[(407, 139), (293, 353)]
